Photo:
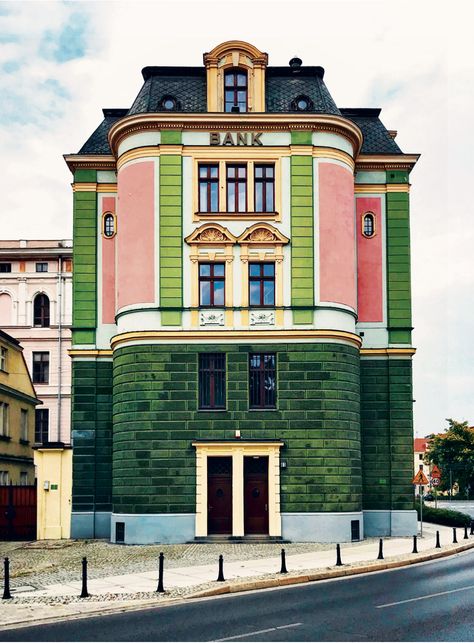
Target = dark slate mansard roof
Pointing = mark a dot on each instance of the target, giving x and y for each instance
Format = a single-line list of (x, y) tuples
[(187, 85)]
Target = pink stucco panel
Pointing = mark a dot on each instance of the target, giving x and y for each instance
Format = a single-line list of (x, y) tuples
[(369, 263), (108, 268), (136, 234), (337, 259)]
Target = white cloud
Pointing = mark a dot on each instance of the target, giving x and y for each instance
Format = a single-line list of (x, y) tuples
[(411, 59)]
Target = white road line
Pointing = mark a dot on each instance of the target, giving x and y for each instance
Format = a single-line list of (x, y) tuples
[(422, 598), (270, 629)]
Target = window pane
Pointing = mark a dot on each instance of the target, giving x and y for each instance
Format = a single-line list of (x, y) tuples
[(204, 269), (241, 80), (255, 293), (230, 171), (203, 197), (219, 270), (218, 293), (268, 269), (231, 197), (203, 171), (214, 197), (242, 197), (258, 171), (214, 171), (242, 172), (269, 206), (229, 80), (258, 197), (205, 293), (268, 293), (242, 98), (254, 269)]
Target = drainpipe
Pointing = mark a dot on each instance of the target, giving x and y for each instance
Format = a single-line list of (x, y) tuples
[(60, 305)]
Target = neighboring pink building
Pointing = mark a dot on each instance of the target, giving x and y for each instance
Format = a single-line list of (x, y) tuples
[(35, 308)]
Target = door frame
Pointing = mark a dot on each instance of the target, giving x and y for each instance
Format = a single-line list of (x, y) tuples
[(238, 450)]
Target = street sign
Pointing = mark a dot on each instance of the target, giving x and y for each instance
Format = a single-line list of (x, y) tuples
[(435, 472), (435, 481), (420, 478)]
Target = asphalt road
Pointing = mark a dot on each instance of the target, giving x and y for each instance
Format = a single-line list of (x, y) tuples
[(427, 602)]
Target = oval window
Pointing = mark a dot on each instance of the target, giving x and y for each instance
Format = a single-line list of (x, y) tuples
[(368, 229), (109, 225), (169, 103)]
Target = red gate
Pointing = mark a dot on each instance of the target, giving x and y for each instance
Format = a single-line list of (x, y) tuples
[(18, 512)]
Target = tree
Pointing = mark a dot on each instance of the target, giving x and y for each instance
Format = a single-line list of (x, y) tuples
[(453, 451)]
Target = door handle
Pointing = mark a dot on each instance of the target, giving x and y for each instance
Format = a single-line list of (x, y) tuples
[(266, 507)]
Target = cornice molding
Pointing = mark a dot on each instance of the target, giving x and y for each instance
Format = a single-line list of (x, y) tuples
[(386, 161), (90, 162)]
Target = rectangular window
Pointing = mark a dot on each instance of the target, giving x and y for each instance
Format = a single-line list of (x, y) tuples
[(211, 284), (4, 418), (264, 188), (420, 456), (3, 358), (262, 284), (41, 426), (23, 424), (4, 478), (262, 380), (23, 478), (236, 188), (5, 267), (41, 368), (235, 99), (42, 266), (212, 380), (208, 188)]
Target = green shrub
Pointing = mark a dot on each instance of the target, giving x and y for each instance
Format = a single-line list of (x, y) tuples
[(444, 516)]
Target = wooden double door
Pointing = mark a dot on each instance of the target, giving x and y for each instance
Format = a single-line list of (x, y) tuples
[(220, 498)]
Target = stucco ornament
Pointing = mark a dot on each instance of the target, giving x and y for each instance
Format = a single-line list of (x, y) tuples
[(262, 234), (211, 318), (263, 317), (212, 234)]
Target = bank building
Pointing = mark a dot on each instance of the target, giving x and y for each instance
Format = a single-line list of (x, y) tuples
[(241, 339)]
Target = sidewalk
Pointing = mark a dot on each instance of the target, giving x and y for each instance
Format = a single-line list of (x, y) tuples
[(126, 591)]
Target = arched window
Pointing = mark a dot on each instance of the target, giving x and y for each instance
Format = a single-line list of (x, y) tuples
[(236, 90), (108, 225), (41, 311), (5, 309), (368, 225)]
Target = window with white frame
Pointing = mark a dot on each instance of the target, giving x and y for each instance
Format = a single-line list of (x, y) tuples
[(24, 424), (4, 418), (23, 478), (4, 478), (3, 358)]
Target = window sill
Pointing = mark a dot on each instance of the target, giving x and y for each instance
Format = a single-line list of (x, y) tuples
[(212, 411), (5, 438), (24, 441), (230, 216), (273, 409)]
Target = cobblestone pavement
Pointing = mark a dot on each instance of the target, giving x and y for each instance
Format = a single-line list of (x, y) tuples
[(41, 563)]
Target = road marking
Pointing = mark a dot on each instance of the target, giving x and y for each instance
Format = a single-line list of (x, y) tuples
[(270, 629), (422, 598)]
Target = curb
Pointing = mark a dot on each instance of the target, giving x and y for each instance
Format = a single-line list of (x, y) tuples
[(295, 579)]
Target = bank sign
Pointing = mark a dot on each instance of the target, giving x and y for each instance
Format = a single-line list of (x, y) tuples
[(235, 138)]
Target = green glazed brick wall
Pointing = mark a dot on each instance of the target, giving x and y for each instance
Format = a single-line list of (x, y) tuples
[(171, 233), (387, 433), (84, 311), (156, 419), (398, 262), (92, 435), (302, 245)]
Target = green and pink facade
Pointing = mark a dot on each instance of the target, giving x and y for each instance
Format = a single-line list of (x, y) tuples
[(242, 312)]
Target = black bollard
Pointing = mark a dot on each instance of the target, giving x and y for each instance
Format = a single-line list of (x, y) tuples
[(220, 577), (472, 528), (283, 569), (455, 540), (6, 590), (438, 544), (466, 536), (338, 556), (160, 587), (415, 548), (84, 593), (380, 556)]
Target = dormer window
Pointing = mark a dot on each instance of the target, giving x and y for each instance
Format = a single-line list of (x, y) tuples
[(169, 103), (302, 104), (236, 91)]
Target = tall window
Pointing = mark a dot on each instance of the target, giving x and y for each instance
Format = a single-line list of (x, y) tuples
[(212, 380), (262, 380), (41, 311), (4, 412), (23, 478), (109, 225), (41, 368), (41, 425), (264, 188), (262, 284), (3, 358), (369, 225), (236, 90), (42, 266), (5, 267), (208, 188), (23, 424), (237, 188), (211, 284), (4, 478)]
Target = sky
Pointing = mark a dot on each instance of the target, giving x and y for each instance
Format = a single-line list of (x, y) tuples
[(62, 62)]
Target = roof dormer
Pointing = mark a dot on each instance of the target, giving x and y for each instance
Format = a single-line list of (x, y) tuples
[(235, 78)]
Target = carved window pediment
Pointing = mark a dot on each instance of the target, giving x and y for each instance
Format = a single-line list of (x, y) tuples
[(262, 234), (211, 235)]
